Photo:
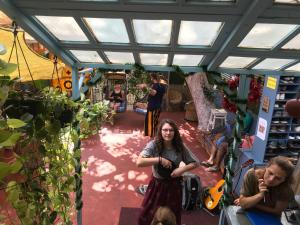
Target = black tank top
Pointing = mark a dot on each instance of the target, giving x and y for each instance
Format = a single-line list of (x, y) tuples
[(116, 96)]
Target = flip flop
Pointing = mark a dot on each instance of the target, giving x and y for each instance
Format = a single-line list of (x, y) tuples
[(212, 169), (206, 164)]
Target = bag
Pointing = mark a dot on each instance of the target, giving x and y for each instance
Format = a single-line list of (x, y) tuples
[(192, 192), (165, 172)]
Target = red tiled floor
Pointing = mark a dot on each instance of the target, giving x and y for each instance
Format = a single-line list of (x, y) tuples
[(111, 177)]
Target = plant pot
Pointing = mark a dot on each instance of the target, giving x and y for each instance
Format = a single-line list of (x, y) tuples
[(21, 106)]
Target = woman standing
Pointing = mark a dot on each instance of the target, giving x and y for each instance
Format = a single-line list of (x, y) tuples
[(164, 154), (268, 189)]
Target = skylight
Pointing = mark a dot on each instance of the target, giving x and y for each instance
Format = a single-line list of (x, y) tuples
[(152, 31), (266, 35), (187, 60), (288, 1), (87, 56), (198, 32), (295, 67), (120, 57), (293, 44), (237, 62), (63, 28), (272, 64), (108, 30), (154, 59)]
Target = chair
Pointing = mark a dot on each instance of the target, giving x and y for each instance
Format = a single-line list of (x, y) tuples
[(216, 114)]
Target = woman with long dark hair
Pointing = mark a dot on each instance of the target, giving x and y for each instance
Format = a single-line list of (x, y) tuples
[(268, 189), (164, 154)]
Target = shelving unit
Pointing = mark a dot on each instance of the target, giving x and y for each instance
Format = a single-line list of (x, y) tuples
[(280, 137), (283, 138)]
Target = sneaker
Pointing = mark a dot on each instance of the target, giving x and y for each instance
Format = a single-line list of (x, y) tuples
[(141, 189), (273, 144), (276, 121), (277, 114), (297, 137), (278, 97), (276, 106), (291, 137), (284, 121), (282, 145), (297, 129), (281, 129), (273, 129), (282, 96)]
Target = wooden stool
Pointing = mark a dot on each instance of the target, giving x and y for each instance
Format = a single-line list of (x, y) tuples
[(216, 114)]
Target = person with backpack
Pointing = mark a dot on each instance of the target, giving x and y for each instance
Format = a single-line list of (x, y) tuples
[(164, 154)]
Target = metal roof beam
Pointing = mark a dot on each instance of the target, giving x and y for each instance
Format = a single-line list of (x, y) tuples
[(35, 31), (138, 48), (262, 72), (134, 7), (146, 67), (240, 31), (90, 36), (132, 40), (266, 53)]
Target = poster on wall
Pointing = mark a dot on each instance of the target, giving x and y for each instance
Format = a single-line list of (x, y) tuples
[(261, 128), (271, 83)]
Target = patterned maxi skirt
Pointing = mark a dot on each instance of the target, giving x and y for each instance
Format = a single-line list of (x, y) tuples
[(151, 122), (161, 192)]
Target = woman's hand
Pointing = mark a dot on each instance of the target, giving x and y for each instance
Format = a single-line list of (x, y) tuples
[(262, 186), (177, 172), (237, 202), (165, 163)]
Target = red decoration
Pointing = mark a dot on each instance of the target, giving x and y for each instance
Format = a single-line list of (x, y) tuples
[(233, 83), (255, 91), (229, 106)]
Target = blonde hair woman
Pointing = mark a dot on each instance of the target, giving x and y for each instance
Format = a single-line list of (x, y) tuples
[(164, 216)]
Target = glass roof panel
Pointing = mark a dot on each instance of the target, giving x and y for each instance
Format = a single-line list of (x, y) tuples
[(154, 59), (63, 28), (237, 62), (294, 43), (120, 57), (152, 31), (266, 35), (198, 32), (108, 29), (272, 64), (295, 67), (87, 56), (288, 1), (187, 60)]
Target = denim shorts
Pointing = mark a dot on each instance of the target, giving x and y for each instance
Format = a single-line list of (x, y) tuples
[(220, 141)]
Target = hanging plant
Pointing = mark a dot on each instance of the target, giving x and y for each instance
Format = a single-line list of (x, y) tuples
[(138, 76)]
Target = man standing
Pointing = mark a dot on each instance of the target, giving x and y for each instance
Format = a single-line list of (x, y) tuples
[(156, 92)]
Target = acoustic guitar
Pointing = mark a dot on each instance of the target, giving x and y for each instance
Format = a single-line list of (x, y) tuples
[(215, 193)]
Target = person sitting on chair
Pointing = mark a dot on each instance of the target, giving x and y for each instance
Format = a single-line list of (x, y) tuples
[(268, 189), (219, 148), (116, 97)]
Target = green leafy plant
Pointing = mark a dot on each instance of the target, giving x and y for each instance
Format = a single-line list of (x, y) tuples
[(138, 76)]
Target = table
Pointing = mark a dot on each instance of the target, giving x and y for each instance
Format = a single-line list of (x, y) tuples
[(234, 215)]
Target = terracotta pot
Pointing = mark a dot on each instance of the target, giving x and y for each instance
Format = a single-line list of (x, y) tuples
[(293, 107)]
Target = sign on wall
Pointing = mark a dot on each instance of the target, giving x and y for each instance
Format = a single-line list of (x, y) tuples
[(261, 128)]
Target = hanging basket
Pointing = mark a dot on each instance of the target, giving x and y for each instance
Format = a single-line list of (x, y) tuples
[(293, 107)]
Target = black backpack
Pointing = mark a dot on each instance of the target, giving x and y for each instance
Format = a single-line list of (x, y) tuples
[(192, 192)]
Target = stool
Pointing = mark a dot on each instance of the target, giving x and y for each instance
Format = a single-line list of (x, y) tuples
[(216, 114)]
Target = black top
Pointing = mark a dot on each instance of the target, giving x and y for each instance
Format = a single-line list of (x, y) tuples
[(154, 101), (117, 97)]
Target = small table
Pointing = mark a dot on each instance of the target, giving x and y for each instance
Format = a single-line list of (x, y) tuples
[(234, 215)]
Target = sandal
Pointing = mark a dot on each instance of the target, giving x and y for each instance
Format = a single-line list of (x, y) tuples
[(212, 169), (206, 164)]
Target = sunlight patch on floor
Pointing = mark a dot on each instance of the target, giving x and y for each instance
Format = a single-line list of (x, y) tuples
[(102, 186)]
